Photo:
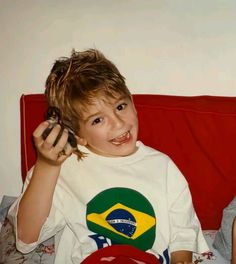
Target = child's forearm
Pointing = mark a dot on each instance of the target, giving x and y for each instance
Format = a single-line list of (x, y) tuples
[(181, 257), (36, 202)]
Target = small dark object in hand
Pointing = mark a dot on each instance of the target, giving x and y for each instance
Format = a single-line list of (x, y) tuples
[(53, 116)]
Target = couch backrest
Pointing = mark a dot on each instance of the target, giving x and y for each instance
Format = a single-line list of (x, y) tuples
[(198, 133)]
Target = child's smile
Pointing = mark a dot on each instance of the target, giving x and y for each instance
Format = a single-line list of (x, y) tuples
[(122, 139)]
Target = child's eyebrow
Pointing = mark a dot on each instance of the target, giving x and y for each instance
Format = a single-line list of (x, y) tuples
[(122, 97), (93, 115)]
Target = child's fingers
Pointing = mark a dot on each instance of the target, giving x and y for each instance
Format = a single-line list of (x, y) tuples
[(40, 128), (52, 136), (62, 142), (37, 134), (45, 144), (63, 148), (55, 146)]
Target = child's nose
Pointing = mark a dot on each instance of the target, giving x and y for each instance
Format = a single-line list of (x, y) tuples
[(117, 121)]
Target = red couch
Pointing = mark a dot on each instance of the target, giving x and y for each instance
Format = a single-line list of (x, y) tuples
[(198, 133)]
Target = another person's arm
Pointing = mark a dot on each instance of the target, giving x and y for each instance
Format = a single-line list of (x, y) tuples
[(234, 242)]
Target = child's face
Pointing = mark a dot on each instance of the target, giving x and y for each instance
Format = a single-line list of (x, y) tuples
[(109, 127)]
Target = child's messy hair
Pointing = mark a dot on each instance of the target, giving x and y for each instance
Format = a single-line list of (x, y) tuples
[(74, 82)]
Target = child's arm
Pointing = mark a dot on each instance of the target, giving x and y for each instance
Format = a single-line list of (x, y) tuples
[(181, 257), (36, 202), (186, 234)]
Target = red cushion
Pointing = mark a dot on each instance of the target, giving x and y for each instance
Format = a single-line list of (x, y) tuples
[(32, 110), (198, 133)]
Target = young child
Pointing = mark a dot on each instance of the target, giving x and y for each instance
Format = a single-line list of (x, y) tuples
[(115, 200)]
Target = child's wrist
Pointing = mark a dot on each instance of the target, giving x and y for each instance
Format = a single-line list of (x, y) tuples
[(43, 162)]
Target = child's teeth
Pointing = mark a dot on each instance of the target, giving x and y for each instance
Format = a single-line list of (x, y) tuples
[(121, 138), (122, 135)]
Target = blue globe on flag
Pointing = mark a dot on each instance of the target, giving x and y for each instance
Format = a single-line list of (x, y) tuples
[(122, 221)]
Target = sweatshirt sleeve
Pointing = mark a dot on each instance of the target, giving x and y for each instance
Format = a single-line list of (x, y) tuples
[(53, 224), (186, 232)]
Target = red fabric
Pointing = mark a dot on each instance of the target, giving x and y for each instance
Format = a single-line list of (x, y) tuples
[(120, 254), (198, 133), (32, 109)]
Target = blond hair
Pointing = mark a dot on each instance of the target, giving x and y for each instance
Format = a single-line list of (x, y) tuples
[(76, 80)]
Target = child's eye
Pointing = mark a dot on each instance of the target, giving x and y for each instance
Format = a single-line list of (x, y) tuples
[(121, 107), (97, 121)]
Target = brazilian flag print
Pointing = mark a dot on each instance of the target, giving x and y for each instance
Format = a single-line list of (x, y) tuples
[(123, 215)]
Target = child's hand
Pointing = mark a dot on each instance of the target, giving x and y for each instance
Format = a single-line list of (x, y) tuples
[(49, 152)]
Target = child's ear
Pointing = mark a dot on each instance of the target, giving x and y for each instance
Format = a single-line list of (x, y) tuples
[(81, 141)]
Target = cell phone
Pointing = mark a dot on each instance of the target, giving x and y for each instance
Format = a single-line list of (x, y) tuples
[(53, 116)]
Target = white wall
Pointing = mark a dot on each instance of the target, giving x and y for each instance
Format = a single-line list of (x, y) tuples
[(183, 47)]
